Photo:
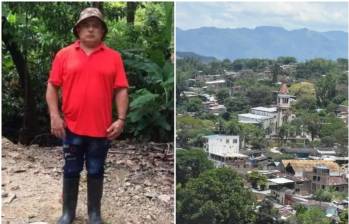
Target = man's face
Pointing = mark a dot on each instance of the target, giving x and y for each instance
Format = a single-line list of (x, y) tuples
[(91, 31)]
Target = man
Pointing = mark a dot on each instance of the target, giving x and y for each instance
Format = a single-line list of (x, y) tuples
[(90, 76)]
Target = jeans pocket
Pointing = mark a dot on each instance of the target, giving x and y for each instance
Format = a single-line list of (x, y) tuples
[(71, 139)]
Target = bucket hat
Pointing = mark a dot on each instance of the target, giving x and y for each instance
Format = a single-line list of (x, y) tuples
[(88, 13)]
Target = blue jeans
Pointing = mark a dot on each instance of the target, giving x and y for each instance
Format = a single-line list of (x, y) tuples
[(79, 149)]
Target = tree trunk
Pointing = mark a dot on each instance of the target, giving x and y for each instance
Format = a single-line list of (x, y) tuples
[(131, 11), (27, 132), (98, 5)]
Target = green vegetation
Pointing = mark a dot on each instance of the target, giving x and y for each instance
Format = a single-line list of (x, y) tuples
[(190, 164), (191, 130), (312, 215), (277, 157), (343, 216), (319, 87), (287, 130), (302, 89), (259, 95), (316, 84), (32, 34), (267, 214), (257, 180), (315, 68), (237, 104), (222, 94), (329, 194), (216, 196)]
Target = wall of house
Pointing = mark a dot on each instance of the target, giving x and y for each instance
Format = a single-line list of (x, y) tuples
[(303, 188), (223, 145), (264, 113)]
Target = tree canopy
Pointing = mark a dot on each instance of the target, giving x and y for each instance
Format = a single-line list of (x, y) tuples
[(34, 31), (216, 196), (190, 164)]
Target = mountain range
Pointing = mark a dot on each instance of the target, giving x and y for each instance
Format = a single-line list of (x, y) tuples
[(203, 59), (262, 42)]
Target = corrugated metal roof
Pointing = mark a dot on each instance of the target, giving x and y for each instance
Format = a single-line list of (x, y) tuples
[(265, 109), (308, 165), (254, 116)]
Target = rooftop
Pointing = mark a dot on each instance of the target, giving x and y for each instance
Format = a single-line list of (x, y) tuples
[(217, 107), (265, 109), (254, 116), (220, 136), (281, 180), (229, 154), (215, 82), (330, 152), (321, 166), (284, 95), (283, 89), (249, 122), (308, 165), (296, 150), (267, 172)]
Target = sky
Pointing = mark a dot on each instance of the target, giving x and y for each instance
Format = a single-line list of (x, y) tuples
[(317, 16)]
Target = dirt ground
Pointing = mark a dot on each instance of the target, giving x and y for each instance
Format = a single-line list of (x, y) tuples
[(138, 185)]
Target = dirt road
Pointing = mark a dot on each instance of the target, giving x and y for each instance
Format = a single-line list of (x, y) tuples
[(138, 184)]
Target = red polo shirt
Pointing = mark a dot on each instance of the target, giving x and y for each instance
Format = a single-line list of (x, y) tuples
[(87, 83)]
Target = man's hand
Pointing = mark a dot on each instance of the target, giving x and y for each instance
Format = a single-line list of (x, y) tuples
[(115, 129), (57, 126)]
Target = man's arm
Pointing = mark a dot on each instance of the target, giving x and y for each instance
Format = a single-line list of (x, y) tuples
[(121, 100), (57, 123)]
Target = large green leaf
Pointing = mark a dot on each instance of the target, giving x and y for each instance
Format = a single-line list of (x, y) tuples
[(143, 97)]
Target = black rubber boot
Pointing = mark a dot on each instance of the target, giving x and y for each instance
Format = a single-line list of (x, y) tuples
[(94, 196), (70, 198)]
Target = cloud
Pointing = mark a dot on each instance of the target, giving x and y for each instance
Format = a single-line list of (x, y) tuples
[(320, 16)]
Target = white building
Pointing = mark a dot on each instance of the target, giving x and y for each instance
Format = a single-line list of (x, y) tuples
[(223, 146), (217, 109), (216, 84), (284, 104), (271, 118), (250, 118), (264, 116), (189, 94), (265, 111)]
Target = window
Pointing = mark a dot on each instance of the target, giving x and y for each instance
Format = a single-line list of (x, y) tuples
[(314, 177), (227, 141), (284, 100), (235, 141), (318, 178)]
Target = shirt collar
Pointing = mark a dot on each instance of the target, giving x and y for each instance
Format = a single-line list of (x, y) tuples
[(102, 46)]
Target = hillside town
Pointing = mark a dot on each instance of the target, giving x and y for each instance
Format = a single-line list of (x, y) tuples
[(286, 165)]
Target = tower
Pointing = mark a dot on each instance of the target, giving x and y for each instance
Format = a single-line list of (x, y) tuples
[(283, 106)]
